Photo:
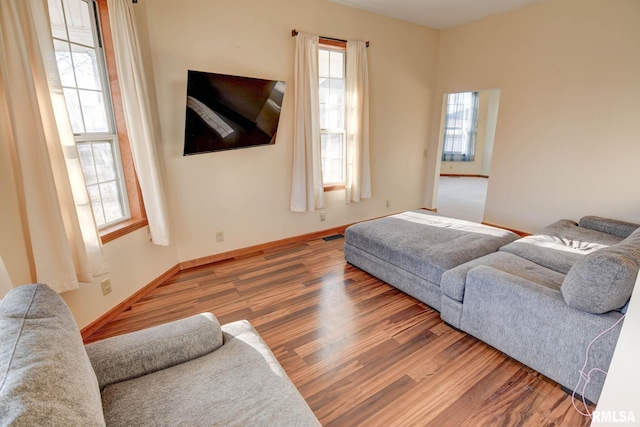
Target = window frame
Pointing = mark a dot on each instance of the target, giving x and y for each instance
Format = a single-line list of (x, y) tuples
[(336, 45), (138, 216), (472, 135)]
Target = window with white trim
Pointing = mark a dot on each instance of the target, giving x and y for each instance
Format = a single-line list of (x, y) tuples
[(331, 71), (461, 127), (81, 63)]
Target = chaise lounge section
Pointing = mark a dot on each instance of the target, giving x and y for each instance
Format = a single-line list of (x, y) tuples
[(412, 250)]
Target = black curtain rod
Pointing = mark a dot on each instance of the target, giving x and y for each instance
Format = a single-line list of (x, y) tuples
[(294, 33)]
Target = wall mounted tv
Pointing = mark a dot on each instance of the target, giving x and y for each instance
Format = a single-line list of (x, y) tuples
[(228, 112)]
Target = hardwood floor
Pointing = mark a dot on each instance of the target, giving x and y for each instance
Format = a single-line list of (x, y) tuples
[(359, 351)]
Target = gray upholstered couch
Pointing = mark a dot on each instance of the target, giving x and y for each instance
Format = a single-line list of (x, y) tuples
[(189, 372), (543, 298), (540, 299)]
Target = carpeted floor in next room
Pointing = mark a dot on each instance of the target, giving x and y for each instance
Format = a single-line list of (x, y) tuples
[(462, 197)]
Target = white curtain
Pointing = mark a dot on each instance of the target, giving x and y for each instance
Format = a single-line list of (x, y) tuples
[(137, 112), (307, 191), (58, 220), (358, 173), (5, 280)]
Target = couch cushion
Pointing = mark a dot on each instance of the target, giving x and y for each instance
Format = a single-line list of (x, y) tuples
[(239, 384), (560, 245), (131, 355), (454, 280), (603, 280), (45, 374), (426, 244)]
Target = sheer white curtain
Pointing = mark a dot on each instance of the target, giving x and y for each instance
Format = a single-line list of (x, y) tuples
[(138, 116), (358, 173), (5, 280), (307, 191), (63, 240)]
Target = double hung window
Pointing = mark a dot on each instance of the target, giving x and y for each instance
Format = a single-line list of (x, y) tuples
[(461, 126), (82, 67), (331, 71)]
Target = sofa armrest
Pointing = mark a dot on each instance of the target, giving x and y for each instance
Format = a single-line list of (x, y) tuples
[(609, 226), (139, 353)]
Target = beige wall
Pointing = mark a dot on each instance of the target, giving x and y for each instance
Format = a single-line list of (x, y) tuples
[(567, 137), (245, 193)]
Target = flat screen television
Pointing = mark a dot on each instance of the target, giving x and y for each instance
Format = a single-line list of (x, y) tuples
[(229, 112)]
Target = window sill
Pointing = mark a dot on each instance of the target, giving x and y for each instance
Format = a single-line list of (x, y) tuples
[(118, 230), (334, 187)]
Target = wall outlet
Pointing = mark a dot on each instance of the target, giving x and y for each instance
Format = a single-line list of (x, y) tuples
[(106, 286), (219, 236), (388, 203), (323, 216)]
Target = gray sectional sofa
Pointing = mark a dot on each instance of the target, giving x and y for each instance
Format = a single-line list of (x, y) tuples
[(189, 372), (540, 299)]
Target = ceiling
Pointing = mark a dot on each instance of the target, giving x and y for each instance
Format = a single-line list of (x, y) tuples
[(440, 14)]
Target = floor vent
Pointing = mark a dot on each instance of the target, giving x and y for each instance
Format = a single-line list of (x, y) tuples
[(334, 237)]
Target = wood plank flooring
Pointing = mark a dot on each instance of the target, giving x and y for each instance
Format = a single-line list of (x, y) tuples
[(360, 351)]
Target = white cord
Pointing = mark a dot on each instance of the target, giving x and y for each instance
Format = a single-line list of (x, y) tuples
[(587, 376)]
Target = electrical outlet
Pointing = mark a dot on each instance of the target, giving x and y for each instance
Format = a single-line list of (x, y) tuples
[(106, 286), (323, 216), (388, 203), (219, 236)]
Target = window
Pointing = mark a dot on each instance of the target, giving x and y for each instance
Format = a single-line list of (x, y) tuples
[(83, 54), (460, 129), (331, 71)]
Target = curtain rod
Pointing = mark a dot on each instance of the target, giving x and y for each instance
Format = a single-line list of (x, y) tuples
[(294, 33)]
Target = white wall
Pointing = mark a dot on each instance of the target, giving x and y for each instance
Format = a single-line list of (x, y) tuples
[(245, 193), (620, 396), (567, 136)]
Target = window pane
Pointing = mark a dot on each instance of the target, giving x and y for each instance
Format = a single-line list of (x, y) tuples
[(58, 29), (73, 107), (323, 63), (337, 92), (334, 117), (111, 201), (324, 90), (336, 64), (86, 66), (323, 116), (95, 117), (105, 166), (96, 204), (65, 66), (78, 20), (86, 161), (332, 158)]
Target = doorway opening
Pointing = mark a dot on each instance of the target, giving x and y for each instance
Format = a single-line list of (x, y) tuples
[(465, 150)]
